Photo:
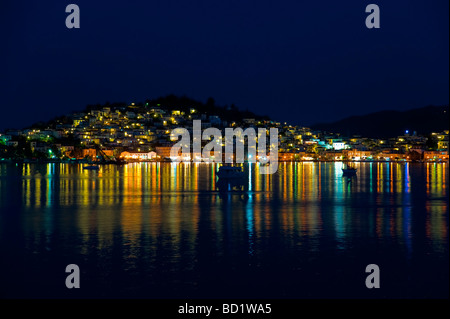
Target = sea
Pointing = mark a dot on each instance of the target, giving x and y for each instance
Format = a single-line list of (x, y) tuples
[(174, 231)]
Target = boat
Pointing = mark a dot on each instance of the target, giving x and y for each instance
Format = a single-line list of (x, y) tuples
[(102, 158), (91, 167), (230, 172), (348, 170)]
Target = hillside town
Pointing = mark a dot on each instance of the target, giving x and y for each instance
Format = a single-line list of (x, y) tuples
[(141, 132)]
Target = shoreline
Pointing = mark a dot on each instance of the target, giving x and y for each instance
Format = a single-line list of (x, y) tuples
[(25, 161)]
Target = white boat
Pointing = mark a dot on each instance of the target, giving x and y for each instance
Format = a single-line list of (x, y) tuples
[(226, 172)]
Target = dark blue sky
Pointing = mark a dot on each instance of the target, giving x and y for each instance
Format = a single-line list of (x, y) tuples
[(298, 61)]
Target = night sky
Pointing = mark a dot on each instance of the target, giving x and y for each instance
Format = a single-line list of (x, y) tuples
[(298, 61)]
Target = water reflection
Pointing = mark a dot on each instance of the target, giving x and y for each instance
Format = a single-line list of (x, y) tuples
[(152, 220), (300, 188)]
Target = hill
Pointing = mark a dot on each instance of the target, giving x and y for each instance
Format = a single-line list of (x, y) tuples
[(387, 124), (169, 102)]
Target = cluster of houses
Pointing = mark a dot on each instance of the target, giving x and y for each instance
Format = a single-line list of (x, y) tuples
[(142, 133)]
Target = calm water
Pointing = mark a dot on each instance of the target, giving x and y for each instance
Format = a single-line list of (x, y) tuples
[(165, 231)]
